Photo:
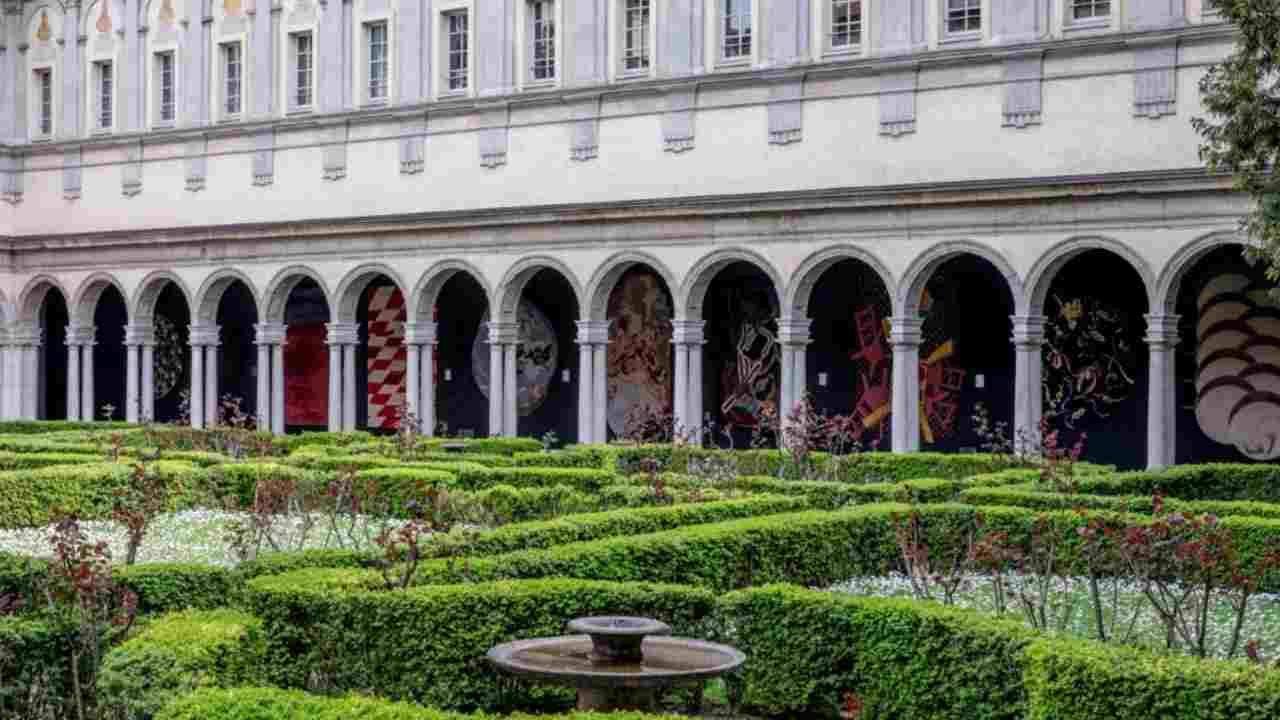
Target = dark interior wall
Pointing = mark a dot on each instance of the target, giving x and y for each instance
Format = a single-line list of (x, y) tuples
[(1231, 345), (238, 370), (551, 293), (172, 352), (966, 356), (53, 357), (306, 366), (110, 317), (1095, 365), (849, 309), (460, 405), (640, 360), (741, 311)]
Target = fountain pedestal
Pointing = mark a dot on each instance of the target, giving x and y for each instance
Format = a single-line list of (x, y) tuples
[(617, 662)]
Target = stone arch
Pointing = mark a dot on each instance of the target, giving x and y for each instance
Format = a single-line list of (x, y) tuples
[(85, 300), (909, 290), (612, 270), (694, 291), (795, 301), (277, 293), (1169, 283), (513, 283), (1051, 262), (142, 309), (354, 284), (427, 292), (209, 296), (32, 297)]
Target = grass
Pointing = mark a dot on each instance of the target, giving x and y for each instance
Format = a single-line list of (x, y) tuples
[(1128, 614)]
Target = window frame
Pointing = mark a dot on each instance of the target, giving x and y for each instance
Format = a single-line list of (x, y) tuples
[(159, 120), (43, 78), (368, 28), (1071, 23), (827, 28), (104, 96), (448, 74), (293, 87), (967, 34), (531, 42), (621, 71), (721, 36), (224, 80)]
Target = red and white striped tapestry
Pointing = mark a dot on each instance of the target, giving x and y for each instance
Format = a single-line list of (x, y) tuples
[(387, 357)]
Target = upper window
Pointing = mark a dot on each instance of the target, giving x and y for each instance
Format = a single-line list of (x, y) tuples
[(1090, 9), (165, 95), (735, 24), (232, 79), (635, 36), (964, 16), (457, 72), (375, 39), (542, 40), (846, 24), (44, 101), (103, 84), (303, 68)]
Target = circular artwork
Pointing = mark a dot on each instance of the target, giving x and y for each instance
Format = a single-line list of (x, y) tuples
[(168, 357), (639, 348), (535, 360)]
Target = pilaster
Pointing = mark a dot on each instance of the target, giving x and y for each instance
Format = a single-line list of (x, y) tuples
[(1162, 338), (586, 38), (495, 47), (680, 28), (905, 337), (688, 338), (788, 25), (1028, 395)]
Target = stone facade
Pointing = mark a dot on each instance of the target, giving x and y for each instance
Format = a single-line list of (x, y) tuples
[(904, 143)]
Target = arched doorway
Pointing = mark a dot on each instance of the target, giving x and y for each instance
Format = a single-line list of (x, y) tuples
[(110, 317), (741, 359), (460, 310)]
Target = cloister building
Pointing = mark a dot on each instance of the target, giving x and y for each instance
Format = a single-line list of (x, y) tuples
[(511, 216)]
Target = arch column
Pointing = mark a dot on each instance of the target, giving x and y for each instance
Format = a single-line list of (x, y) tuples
[(1028, 395), (793, 336), (593, 381), (504, 345), (688, 338), (6, 379), (270, 339), (1162, 338), (27, 341), (139, 349), (204, 375), (421, 379), (342, 339), (904, 337), (80, 342)]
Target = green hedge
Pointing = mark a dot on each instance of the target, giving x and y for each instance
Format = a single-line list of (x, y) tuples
[(162, 587), (239, 480), (174, 655), (10, 460), (87, 489), (1028, 497), (583, 456), (19, 575), (35, 666), (1214, 481), (826, 494), (485, 446), (905, 659), (428, 644), (1080, 680), (471, 476), (29, 444), (273, 704), (39, 427)]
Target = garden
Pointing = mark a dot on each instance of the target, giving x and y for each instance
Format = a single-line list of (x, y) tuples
[(163, 572)]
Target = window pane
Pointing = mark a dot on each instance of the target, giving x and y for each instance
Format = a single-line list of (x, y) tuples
[(104, 95), (542, 27), (737, 28), (846, 23), (377, 46), (302, 64), (164, 82), (964, 15), (456, 27), (44, 81), (635, 35), (231, 78)]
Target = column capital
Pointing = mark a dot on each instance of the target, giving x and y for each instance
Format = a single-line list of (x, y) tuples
[(688, 332), (503, 333), (905, 331), (794, 331), (1028, 330), (80, 335), (342, 334), (26, 335), (1162, 331), (139, 335), (593, 332), (423, 333), (270, 333), (204, 335)]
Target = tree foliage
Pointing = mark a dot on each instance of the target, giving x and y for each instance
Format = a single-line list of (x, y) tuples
[(1242, 131)]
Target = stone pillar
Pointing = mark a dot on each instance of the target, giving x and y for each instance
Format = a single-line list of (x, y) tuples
[(335, 378), (278, 419), (139, 348), (904, 336), (342, 339), (510, 390), (87, 387), (593, 384), (586, 377), (148, 397), (196, 404), (503, 393), (412, 382), (264, 380), (1162, 338), (270, 339), (27, 340), (204, 374), (687, 338), (600, 391), (6, 380), (212, 401), (420, 390), (349, 394), (793, 336), (73, 376), (1028, 395)]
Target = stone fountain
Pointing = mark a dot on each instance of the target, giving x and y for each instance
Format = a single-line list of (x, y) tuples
[(615, 662)]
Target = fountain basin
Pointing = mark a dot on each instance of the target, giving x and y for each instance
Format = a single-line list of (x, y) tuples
[(620, 665)]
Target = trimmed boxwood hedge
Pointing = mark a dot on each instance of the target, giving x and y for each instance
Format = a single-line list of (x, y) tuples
[(1028, 497), (173, 656), (163, 587), (86, 489), (274, 704), (471, 476), (428, 644), (827, 494), (1213, 481), (35, 665)]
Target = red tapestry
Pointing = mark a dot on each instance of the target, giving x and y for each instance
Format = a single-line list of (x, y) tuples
[(387, 357), (306, 375)]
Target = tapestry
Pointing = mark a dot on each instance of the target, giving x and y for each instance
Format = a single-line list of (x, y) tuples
[(749, 380), (170, 357), (874, 391), (306, 375), (941, 376), (536, 358), (640, 374), (387, 360), (1238, 366), (1089, 361)]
